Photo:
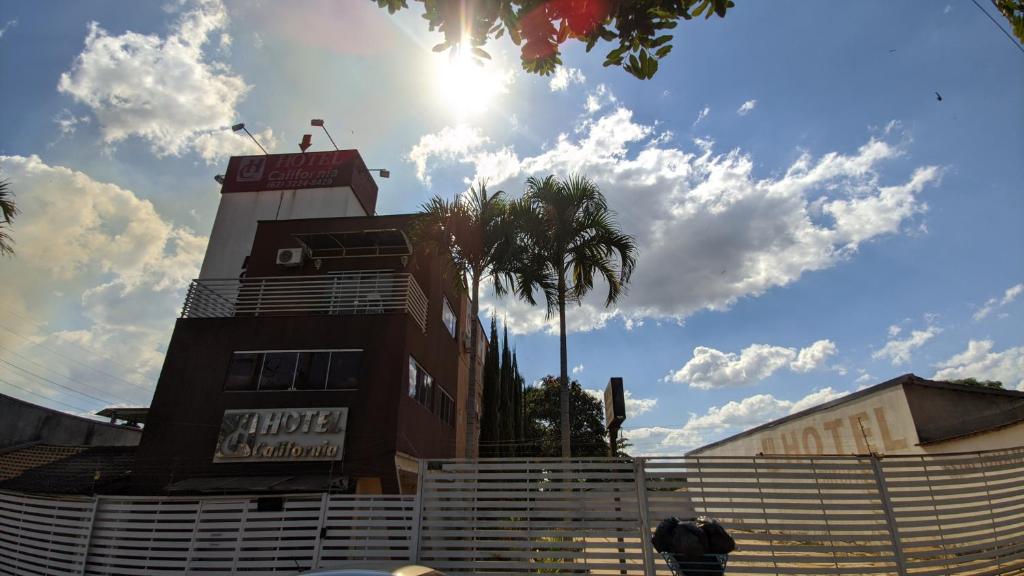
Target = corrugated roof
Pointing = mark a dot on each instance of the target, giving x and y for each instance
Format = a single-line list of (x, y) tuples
[(81, 473), (15, 462)]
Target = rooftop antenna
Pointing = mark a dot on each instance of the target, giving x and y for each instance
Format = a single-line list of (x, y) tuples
[(319, 122), (241, 126)]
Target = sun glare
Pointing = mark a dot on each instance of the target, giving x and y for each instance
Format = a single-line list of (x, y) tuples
[(468, 87)]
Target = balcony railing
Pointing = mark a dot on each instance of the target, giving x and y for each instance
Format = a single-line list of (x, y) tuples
[(363, 292)]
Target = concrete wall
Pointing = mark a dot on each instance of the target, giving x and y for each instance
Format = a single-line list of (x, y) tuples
[(879, 423), (1011, 436), (239, 212), (22, 422)]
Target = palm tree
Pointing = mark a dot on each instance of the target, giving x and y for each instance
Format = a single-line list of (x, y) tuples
[(471, 231), (8, 210), (567, 237)]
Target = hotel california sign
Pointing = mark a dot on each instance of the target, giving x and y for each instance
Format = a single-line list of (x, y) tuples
[(281, 435)]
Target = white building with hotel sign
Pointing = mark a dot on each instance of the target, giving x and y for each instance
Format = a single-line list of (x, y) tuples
[(906, 415)]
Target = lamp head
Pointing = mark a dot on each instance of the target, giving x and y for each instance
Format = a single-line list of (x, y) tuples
[(237, 127), (316, 122)]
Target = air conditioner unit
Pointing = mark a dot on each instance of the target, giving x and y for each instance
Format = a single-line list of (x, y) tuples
[(466, 339), (290, 256)]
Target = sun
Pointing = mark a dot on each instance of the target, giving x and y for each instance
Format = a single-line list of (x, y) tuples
[(468, 87)]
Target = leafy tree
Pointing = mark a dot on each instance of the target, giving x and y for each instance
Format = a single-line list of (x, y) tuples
[(8, 210), (638, 30), (543, 421), (471, 232), (979, 383), (566, 239), (1013, 11)]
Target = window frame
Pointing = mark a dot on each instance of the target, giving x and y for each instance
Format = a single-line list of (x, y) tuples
[(414, 384), (295, 370), (446, 306), (442, 404)]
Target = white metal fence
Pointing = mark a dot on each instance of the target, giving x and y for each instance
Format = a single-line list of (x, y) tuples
[(357, 292), (922, 516)]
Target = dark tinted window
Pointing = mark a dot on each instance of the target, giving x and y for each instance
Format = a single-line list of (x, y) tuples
[(312, 370), (278, 370), (445, 407), (344, 373), (244, 370)]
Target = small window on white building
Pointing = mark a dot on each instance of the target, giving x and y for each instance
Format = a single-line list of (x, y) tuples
[(447, 316)]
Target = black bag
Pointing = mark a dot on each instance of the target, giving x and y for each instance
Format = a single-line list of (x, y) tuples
[(719, 541), (689, 541), (662, 539)]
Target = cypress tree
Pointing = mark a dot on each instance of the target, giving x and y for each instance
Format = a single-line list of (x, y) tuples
[(489, 425), (506, 408), (517, 402)]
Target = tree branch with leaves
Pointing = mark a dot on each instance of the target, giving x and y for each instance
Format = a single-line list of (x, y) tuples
[(639, 31)]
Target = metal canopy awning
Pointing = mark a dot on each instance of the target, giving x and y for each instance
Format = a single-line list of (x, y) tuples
[(361, 243), (129, 415)]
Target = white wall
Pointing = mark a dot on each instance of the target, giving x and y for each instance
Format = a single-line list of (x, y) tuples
[(879, 423), (235, 225), (1011, 436)]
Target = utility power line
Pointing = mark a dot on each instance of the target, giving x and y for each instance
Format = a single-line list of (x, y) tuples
[(58, 384), (47, 398), (77, 361), (54, 371), (1000, 26)]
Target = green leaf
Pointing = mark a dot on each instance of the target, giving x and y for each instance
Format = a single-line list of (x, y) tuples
[(441, 47), (663, 51), (481, 53), (634, 63), (660, 40), (700, 9)]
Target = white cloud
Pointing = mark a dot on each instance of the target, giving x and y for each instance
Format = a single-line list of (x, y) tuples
[(564, 76), (710, 368), (637, 406), (164, 90), (710, 231), (993, 304), (719, 421), (122, 266), (979, 361), (7, 26), (894, 330), (747, 107), (578, 369), (702, 115), (600, 98), (461, 142), (634, 406), (68, 123), (899, 351)]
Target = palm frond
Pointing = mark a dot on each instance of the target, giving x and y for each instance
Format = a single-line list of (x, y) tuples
[(8, 210)]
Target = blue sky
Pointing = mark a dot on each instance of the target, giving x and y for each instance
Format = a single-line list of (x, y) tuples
[(811, 218)]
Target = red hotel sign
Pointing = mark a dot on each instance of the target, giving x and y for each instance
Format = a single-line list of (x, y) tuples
[(299, 171), (291, 171)]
